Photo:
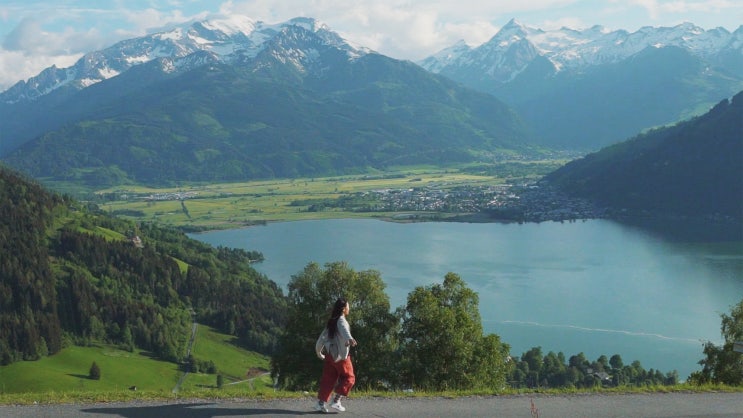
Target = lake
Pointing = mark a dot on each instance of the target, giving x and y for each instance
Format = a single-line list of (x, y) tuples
[(595, 286)]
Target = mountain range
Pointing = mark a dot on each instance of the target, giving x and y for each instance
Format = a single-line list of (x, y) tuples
[(236, 99), (226, 39), (585, 89)]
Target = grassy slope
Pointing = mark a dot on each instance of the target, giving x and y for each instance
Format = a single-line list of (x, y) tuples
[(67, 371), (244, 369)]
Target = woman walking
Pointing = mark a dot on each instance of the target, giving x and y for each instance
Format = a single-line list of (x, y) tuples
[(333, 346)]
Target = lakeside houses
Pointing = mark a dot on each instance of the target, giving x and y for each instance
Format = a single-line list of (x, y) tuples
[(172, 196), (525, 202)]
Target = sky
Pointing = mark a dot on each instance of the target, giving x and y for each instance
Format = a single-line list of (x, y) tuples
[(35, 34)]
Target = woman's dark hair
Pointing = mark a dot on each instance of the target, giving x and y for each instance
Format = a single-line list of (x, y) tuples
[(338, 308)]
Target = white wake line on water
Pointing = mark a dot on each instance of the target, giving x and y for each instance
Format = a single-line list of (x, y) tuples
[(613, 331)]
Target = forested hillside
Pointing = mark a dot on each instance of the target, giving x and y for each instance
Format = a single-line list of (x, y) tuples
[(72, 275), (694, 168), (221, 123)]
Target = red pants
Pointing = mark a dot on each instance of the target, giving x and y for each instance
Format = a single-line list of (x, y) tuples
[(336, 376)]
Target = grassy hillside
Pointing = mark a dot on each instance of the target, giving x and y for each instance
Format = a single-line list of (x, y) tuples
[(68, 370), (243, 369)]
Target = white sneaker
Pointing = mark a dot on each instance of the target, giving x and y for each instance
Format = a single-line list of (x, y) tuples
[(320, 407), (337, 405)]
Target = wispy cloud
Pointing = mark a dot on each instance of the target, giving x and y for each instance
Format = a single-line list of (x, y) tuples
[(30, 38)]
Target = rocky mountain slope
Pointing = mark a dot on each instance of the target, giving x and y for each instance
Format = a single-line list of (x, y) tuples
[(584, 89)]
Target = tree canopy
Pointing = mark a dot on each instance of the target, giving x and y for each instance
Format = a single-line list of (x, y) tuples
[(722, 364), (312, 293), (70, 274), (434, 342), (442, 342)]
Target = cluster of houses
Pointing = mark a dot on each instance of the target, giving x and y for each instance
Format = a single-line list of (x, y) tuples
[(464, 199), (533, 203), (172, 196), (544, 203)]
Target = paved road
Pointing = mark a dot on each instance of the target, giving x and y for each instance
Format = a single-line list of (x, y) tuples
[(685, 405)]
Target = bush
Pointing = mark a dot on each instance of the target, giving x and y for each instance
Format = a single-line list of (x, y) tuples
[(95, 372)]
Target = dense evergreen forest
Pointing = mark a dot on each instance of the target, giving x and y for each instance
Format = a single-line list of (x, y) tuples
[(694, 168), (70, 274)]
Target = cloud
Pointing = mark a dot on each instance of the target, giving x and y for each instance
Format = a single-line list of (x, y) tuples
[(680, 9), (30, 38), (46, 35), (404, 29), (29, 48), (16, 66), (38, 32)]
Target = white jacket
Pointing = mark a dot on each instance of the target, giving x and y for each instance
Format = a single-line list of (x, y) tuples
[(337, 347)]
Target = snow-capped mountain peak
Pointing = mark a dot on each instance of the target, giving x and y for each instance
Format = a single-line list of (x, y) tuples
[(231, 25), (573, 49), (446, 56), (225, 37)]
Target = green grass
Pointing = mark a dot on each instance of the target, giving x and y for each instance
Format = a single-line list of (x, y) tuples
[(182, 265), (109, 235), (67, 371), (65, 374), (234, 205), (246, 370)]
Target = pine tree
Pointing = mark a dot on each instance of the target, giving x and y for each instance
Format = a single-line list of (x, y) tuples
[(95, 371)]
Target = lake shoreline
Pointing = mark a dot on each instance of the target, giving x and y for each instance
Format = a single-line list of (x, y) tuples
[(703, 229)]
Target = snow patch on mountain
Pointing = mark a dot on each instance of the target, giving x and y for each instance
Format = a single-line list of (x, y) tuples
[(224, 38), (231, 25), (515, 45)]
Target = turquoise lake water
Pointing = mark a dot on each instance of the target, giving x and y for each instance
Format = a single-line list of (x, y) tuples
[(596, 286)]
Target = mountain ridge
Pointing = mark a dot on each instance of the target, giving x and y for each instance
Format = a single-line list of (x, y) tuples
[(692, 169), (583, 90), (571, 49), (225, 38), (302, 105)]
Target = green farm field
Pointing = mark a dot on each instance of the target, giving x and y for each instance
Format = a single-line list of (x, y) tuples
[(235, 205)]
